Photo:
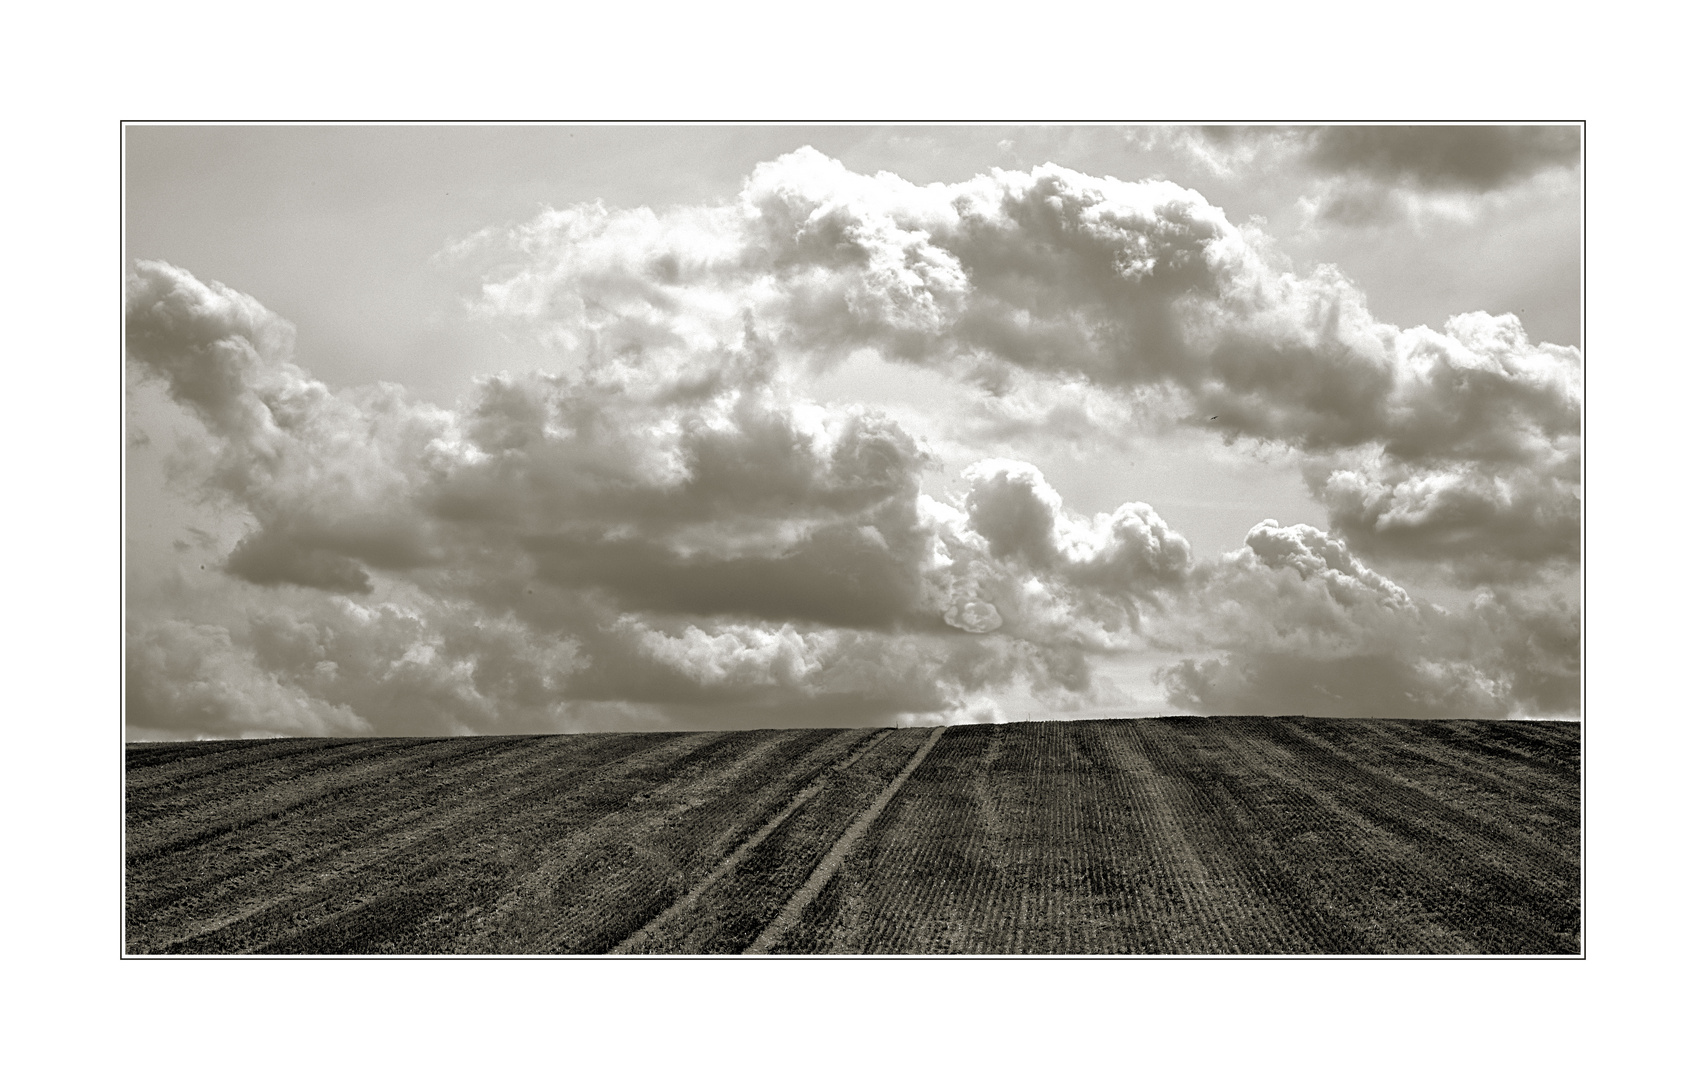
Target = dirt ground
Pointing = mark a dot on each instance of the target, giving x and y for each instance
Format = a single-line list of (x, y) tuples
[(1182, 836)]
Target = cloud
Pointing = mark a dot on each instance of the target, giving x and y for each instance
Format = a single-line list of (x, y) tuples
[(552, 544), (1479, 158), (1315, 556), (1086, 302), (1302, 626), (1484, 523), (328, 478), (840, 575), (667, 529), (1007, 556), (269, 558), (1425, 157), (221, 352), (1481, 466), (1371, 176), (424, 665), (1021, 519), (191, 679), (1293, 589), (1270, 684)]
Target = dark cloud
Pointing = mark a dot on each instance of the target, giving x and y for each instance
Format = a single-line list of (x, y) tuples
[(1479, 158), (269, 559), (840, 575), (1432, 157), (1368, 177)]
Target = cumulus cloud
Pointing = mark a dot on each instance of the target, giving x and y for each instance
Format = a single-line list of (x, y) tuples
[(428, 665), (667, 529), (1020, 518), (1053, 285), (192, 679), (1481, 467), (1296, 624), (328, 478), (556, 543)]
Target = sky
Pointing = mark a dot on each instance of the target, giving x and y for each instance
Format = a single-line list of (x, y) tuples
[(460, 430)]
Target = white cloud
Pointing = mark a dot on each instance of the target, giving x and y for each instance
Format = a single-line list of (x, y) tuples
[(1078, 303)]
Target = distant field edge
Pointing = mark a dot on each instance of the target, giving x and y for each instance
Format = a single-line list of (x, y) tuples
[(197, 740)]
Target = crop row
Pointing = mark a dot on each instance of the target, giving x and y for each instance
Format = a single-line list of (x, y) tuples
[(1207, 836), (747, 891), (494, 845), (268, 877)]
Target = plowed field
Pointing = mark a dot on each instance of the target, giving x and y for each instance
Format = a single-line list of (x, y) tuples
[(1222, 835)]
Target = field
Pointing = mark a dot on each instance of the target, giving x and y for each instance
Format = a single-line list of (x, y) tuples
[(1183, 836)]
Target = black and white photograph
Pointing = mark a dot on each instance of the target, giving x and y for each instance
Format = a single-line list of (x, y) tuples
[(853, 540), (917, 539)]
